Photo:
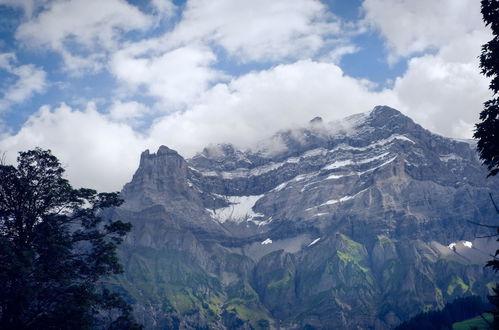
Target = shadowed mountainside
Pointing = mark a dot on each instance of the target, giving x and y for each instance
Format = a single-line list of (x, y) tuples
[(343, 224)]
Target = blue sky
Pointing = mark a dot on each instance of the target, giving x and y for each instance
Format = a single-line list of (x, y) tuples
[(100, 81)]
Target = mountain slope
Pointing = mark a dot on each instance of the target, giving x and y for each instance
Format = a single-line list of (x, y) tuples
[(343, 224)]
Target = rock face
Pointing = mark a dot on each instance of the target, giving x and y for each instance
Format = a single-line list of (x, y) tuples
[(346, 224)]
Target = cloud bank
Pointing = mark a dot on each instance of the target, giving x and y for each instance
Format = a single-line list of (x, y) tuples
[(210, 72)]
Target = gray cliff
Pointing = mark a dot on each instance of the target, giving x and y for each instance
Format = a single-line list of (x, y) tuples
[(359, 223)]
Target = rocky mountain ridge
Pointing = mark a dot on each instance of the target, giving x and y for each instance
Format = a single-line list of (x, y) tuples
[(348, 224)]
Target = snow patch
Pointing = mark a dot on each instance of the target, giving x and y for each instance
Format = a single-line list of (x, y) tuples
[(315, 152), (262, 222), (336, 201), (297, 178), (446, 158), (244, 172), (468, 244), (338, 176), (338, 164), (453, 245), (342, 163), (293, 160), (403, 138), (267, 241), (240, 209), (335, 176), (376, 144), (209, 173), (314, 241), (194, 169), (305, 176), (281, 186), (376, 167), (372, 159), (390, 139)]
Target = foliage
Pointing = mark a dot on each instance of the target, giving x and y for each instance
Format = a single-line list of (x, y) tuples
[(458, 310), (55, 246), (486, 131)]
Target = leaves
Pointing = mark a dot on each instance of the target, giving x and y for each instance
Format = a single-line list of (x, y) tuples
[(55, 246), (487, 130)]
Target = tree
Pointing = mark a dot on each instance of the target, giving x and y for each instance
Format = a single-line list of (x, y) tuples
[(458, 310), (487, 130), (55, 247)]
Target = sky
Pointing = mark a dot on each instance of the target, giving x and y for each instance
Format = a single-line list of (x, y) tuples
[(98, 82)]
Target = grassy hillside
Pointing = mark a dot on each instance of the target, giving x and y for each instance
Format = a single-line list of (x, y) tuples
[(475, 323)]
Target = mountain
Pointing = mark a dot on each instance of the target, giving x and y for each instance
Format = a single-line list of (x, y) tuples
[(358, 223)]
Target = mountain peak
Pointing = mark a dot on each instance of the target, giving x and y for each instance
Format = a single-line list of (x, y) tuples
[(382, 113), (349, 204), (164, 150), (384, 110), (159, 176), (388, 118), (316, 120)]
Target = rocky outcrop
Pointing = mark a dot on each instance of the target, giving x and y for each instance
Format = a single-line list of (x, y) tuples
[(358, 223)]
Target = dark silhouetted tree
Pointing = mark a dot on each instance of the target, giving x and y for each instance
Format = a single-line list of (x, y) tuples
[(54, 249), (458, 310), (487, 130)]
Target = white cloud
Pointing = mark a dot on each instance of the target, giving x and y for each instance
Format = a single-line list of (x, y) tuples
[(82, 31), (102, 151), (335, 55), (244, 111), (96, 152), (443, 96), (256, 105), (258, 30), (176, 77), (415, 26), (177, 67), (28, 6), (126, 111), (29, 80), (163, 8), (442, 88)]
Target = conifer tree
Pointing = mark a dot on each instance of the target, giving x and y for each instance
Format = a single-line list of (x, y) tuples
[(487, 130), (55, 247)]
